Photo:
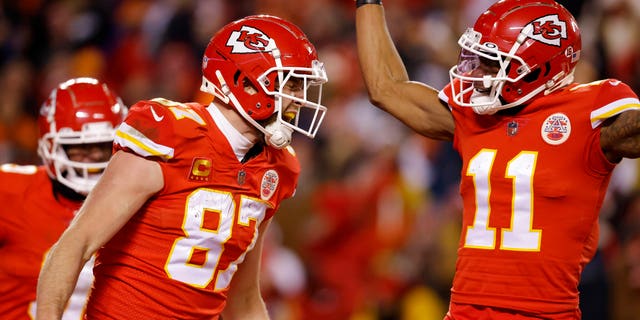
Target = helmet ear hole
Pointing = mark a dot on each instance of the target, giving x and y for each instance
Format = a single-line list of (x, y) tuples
[(532, 76), (547, 65), (236, 76), (535, 74), (249, 88)]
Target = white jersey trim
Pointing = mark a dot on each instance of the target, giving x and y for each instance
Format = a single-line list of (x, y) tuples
[(127, 136), (616, 107)]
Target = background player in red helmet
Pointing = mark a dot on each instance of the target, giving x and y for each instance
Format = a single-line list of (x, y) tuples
[(538, 150), (180, 213), (77, 127)]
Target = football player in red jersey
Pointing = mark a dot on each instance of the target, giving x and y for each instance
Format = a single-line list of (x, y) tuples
[(77, 126), (537, 148), (181, 210)]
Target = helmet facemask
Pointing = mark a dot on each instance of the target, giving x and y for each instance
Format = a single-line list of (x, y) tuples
[(477, 88), (81, 177), (304, 112)]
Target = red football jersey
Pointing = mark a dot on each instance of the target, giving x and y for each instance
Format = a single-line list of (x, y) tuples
[(174, 259), (532, 187), (31, 220)]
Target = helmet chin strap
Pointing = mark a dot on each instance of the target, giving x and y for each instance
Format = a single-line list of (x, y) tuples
[(276, 135), (484, 104)]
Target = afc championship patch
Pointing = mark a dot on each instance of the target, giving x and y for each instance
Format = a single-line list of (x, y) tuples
[(556, 129), (269, 184)]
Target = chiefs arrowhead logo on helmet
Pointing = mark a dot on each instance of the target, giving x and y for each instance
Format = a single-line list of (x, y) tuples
[(249, 40), (548, 29)]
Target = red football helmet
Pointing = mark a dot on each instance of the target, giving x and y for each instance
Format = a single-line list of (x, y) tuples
[(533, 44), (265, 52), (78, 111)]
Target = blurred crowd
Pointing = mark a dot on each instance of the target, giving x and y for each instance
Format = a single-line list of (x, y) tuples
[(373, 228)]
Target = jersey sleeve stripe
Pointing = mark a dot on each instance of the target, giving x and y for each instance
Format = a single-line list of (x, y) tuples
[(129, 137), (443, 96), (619, 106)]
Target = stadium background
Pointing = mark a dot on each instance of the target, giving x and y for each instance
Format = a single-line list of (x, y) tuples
[(373, 229)]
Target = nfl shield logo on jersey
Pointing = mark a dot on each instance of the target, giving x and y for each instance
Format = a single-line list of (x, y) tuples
[(512, 128), (269, 184), (556, 129)]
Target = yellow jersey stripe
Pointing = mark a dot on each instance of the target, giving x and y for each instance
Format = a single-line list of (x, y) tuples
[(612, 109), (133, 139)]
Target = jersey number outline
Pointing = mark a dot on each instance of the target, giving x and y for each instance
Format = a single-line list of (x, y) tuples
[(219, 208), (520, 236)]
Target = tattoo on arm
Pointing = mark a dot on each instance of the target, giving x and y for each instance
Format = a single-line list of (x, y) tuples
[(620, 137)]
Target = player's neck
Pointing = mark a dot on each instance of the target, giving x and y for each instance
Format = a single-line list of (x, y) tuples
[(239, 123), (239, 141)]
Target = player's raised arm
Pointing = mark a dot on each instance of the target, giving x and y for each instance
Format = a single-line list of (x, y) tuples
[(387, 81)]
